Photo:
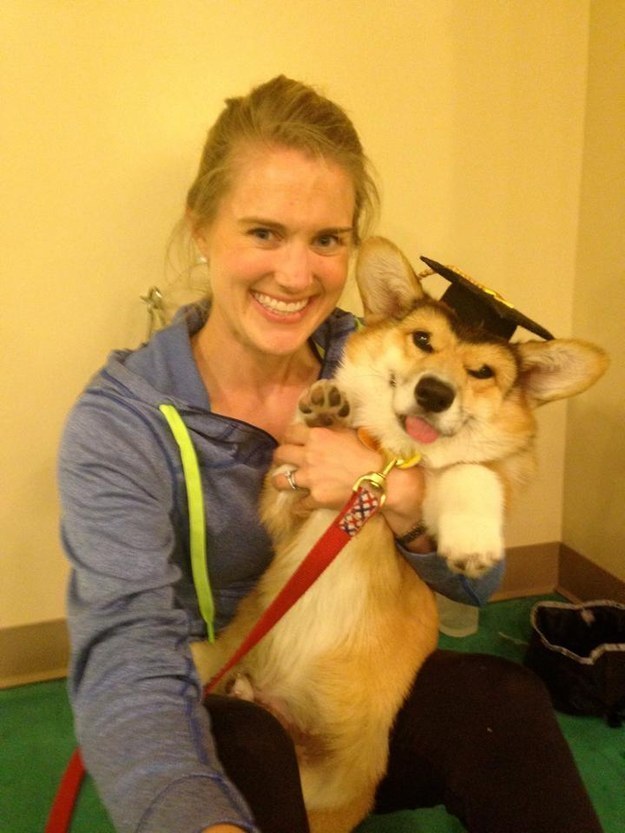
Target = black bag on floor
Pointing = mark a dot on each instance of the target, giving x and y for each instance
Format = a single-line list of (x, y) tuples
[(579, 652)]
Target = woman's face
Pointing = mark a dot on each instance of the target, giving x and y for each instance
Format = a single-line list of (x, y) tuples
[(278, 250)]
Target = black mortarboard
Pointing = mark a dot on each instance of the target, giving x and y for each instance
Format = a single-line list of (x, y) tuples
[(483, 307)]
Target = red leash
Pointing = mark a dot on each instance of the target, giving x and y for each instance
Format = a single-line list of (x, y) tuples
[(62, 810), (362, 505)]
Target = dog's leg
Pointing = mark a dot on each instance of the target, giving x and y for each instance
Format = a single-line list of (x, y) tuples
[(282, 512), (343, 820), (464, 509)]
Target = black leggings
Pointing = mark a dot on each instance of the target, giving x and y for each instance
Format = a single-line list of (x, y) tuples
[(477, 734)]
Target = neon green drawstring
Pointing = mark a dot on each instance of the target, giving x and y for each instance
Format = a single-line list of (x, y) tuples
[(197, 525)]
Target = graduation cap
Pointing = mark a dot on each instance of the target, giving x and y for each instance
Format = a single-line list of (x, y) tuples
[(482, 307)]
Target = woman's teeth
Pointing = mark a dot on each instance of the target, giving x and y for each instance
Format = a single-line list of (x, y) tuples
[(282, 307)]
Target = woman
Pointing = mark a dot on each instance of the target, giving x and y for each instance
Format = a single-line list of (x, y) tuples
[(278, 206)]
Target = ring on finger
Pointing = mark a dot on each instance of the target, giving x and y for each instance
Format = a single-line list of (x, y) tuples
[(290, 476)]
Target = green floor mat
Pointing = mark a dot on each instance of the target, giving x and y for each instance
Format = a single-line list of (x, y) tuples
[(36, 741)]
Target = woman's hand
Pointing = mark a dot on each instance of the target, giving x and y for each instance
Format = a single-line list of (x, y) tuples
[(328, 461)]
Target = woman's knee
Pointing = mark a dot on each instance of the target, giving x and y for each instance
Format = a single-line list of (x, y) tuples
[(514, 683), (482, 674), (460, 690), (247, 724), (259, 758)]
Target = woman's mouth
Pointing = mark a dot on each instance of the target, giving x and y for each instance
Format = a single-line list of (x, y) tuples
[(280, 307)]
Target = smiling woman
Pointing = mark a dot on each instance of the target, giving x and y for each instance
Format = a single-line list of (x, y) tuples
[(282, 196)]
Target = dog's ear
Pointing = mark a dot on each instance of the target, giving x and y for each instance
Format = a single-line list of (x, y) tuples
[(388, 284), (559, 368)]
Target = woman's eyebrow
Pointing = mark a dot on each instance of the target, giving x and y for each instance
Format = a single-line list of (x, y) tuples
[(260, 221), (337, 230), (273, 224)]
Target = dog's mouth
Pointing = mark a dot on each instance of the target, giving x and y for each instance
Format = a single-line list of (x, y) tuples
[(419, 429)]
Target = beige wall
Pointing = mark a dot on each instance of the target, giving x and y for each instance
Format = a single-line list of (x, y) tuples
[(472, 111), (594, 504)]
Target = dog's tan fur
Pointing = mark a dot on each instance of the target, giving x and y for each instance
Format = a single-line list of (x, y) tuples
[(337, 667)]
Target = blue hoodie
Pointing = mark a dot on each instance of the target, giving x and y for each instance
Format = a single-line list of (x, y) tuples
[(132, 608)]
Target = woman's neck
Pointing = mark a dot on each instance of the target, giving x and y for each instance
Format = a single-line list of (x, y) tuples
[(260, 389)]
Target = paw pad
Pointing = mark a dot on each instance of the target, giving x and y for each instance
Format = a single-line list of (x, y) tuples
[(324, 404)]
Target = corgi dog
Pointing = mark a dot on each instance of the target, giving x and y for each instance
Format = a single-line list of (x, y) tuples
[(337, 667)]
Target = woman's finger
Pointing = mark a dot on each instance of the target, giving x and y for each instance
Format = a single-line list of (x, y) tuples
[(289, 478), (296, 434)]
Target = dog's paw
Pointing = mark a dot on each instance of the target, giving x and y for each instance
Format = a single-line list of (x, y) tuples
[(324, 404), (471, 546)]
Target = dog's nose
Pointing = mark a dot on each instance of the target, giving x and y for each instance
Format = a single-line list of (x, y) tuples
[(433, 395)]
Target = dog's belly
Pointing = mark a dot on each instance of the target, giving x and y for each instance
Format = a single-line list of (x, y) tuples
[(337, 667)]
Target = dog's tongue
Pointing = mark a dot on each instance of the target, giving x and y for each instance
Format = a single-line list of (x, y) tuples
[(420, 430)]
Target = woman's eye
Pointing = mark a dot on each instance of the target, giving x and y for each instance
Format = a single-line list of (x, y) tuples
[(483, 372), (265, 235), (421, 339), (327, 242)]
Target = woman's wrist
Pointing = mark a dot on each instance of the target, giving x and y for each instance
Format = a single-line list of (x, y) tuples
[(402, 510), (405, 489), (417, 540), (417, 530)]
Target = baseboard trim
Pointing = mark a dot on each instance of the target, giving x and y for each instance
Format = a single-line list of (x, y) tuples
[(531, 570), (581, 580), (34, 653)]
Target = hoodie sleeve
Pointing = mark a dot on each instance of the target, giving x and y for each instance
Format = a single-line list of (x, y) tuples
[(435, 572), (143, 732)]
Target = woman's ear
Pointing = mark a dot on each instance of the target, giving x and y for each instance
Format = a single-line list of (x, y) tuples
[(198, 232), (388, 284), (557, 369)]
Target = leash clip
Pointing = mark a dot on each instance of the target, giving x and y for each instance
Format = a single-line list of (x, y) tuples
[(377, 480)]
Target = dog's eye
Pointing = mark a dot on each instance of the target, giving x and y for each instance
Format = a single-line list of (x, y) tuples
[(422, 340), (483, 372)]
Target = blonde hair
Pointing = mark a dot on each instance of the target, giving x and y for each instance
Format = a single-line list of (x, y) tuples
[(282, 113)]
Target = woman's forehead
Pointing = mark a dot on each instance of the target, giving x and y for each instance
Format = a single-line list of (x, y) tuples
[(281, 183)]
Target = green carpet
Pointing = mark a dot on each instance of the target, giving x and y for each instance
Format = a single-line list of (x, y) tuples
[(36, 741)]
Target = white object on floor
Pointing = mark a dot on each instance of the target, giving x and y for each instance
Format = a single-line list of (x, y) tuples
[(455, 618)]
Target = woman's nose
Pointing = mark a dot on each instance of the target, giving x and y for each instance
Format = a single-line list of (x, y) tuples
[(294, 271)]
